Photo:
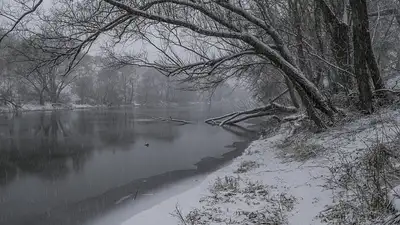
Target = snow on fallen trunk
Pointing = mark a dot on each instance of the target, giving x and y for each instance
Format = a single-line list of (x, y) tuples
[(235, 117)]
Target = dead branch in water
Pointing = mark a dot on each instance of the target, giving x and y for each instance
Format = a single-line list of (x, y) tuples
[(212, 120), (170, 119)]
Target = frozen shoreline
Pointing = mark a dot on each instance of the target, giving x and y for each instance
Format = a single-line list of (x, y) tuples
[(48, 107), (296, 189)]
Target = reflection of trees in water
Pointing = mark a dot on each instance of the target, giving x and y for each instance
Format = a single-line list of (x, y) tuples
[(51, 145), (120, 129), (162, 131), (116, 129), (42, 145), (240, 131), (51, 133), (8, 171)]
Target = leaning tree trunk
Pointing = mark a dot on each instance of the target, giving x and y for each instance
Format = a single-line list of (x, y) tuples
[(311, 112), (360, 32), (286, 63), (292, 93)]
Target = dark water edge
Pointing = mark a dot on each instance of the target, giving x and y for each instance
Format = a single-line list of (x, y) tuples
[(91, 208)]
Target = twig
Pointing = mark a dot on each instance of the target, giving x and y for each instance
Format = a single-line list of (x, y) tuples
[(331, 64), (20, 19)]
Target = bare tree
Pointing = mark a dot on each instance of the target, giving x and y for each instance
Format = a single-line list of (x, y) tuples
[(206, 43), (243, 26), (339, 31)]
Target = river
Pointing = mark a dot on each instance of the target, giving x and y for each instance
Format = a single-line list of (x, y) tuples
[(68, 167)]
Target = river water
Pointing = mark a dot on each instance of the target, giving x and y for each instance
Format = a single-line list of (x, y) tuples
[(66, 167)]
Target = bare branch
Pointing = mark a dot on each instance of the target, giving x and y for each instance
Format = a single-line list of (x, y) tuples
[(34, 8)]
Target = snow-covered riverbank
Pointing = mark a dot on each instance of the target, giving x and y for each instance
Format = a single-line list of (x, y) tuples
[(285, 180), (48, 107)]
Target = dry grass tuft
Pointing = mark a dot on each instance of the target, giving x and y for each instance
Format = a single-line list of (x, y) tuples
[(364, 181), (246, 166), (301, 151), (264, 205)]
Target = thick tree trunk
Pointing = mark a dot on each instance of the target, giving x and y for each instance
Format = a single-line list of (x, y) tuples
[(341, 50), (340, 44), (302, 84), (297, 21), (306, 87), (292, 93), (372, 64), (311, 112), (374, 70), (41, 97), (370, 56), (360, 30), (320, 46), (53, 97)]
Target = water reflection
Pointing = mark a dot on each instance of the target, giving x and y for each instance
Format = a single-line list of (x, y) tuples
[(66, 157), (44, 143)]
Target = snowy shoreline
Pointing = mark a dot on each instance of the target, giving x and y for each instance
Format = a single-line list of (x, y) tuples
[(270, 182), (48, 107)]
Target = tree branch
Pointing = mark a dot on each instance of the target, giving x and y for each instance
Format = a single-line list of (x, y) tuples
[(34, 8), (197, 29), (384, 12)]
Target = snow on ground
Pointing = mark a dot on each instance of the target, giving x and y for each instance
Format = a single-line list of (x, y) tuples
[(128, 206), (279, 179)]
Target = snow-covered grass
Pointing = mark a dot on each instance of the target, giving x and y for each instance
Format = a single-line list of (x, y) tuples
[(324, 178), (47, 107)]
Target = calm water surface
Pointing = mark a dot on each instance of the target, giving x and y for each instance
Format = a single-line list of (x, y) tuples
[(73, 165)]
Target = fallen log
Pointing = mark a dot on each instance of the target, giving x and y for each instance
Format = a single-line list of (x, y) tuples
[(260, 114), (212, 120), (268, 110), (236, 117), (170, 119)]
